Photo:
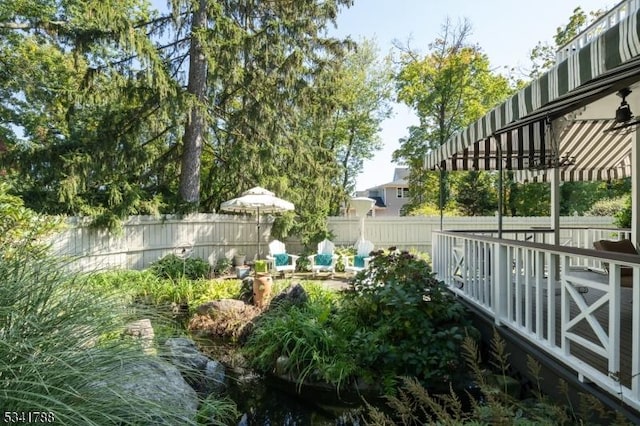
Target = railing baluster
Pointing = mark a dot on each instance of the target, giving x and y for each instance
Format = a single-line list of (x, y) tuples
[(518, 285), (539, 276), (528, 314)]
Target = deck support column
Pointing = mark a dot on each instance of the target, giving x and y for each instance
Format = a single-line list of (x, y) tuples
[(555, 204), (555, 216), (635, 187)]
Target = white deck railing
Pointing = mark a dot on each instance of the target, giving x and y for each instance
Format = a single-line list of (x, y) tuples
[(545, 294), (598, 27)]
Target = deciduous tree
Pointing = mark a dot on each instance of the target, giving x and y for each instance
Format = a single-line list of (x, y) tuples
[(448, 88)]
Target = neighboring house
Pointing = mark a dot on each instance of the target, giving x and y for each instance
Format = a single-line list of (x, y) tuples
[(391, 196)]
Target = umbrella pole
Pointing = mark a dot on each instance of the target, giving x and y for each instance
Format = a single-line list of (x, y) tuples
[(258, 255)]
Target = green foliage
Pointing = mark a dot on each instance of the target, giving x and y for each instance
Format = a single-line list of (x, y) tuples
[(543, 55), (303, 264), (430, 209), (343, 251), (172, 266), (531, 199), (21, 228), (111, 120), (607, 207), (58, 349), (217, 411), (147, 287), (448, 88), (260, 266), (475, 193), (223, 266), (398, 320), (416, 405), (305, 336), (407, 323), (624, 216)]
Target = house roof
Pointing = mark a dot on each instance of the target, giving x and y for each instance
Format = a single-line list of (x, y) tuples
[(400, 175), (379, 202), (559, 119)]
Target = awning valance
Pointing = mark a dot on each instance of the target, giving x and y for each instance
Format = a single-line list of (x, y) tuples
[(579, 148), (590, 153)]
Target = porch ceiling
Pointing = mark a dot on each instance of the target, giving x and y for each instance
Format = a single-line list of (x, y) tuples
[(560, 119)]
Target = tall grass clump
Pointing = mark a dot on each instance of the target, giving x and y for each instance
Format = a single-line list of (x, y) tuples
[(61, 345), (145, 286), (305, 338), (61, 350)]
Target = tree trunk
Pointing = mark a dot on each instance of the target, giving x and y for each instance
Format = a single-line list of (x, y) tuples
[(195, 127)]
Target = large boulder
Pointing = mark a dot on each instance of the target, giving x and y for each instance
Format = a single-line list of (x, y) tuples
[(294, 294), (150, 379), (223, 319), (226, 306), (203, 374)]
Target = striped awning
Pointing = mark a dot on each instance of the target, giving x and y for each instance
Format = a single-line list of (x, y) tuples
[(590, 154), (610, 62), (581, 149)]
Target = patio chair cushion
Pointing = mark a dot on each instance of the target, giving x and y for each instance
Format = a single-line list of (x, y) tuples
[(358, 261), (622, 246), (282, 259), (323, 259)]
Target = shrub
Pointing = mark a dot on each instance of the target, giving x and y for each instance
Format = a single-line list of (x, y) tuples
[(398, 320), (407, 323), (416, 405), (306, 336), (223, 266), (623, 217), (343, 251), (21, 228), (171, 266), (303, 264), (607, 207)]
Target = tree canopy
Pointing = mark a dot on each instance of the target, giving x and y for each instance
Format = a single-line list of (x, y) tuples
[(449, 87), (130, 110)]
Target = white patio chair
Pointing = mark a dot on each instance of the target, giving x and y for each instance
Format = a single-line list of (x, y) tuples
[(325, 259), (360, 261), (280, 260)]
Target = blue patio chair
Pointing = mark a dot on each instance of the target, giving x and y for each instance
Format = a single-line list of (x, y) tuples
[(281, 261), (325, 259)]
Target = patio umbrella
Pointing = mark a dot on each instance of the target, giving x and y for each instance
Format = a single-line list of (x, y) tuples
[(255, 201)]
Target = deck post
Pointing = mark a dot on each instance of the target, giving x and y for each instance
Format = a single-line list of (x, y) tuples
[(613, 347), (635, 186), (501, 263), (635, 336)]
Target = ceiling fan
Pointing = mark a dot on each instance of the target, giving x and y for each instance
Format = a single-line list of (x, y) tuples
[(624, 117)]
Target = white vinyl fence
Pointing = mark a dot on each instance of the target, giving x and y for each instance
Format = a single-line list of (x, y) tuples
[(146, 239), (413, 232)]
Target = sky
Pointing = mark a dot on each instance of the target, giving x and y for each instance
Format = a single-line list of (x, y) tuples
[(506, 30)]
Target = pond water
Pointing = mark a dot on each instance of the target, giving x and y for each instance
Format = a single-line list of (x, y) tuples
[(263, 404)]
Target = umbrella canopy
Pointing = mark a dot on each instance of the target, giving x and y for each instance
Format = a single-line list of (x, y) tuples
[(255, 201)]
